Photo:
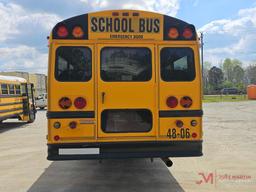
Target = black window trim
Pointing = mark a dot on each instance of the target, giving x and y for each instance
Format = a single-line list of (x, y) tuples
[(195, 74), (151, 63), (80, 46), (141, 109)]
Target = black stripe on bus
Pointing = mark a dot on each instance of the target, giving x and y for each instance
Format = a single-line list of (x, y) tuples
[(181, 113), (10, 116), (13, 103), (70, 114), (10, 96), (10, 110)]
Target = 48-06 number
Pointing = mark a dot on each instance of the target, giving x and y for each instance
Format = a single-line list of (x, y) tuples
[(178, 133)]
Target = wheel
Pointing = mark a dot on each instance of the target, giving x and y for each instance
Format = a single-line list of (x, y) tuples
[(32, 116)]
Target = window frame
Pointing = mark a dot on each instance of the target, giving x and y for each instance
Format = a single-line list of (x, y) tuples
[(55, 64), (7, 89), (151, 64), (193, 59)]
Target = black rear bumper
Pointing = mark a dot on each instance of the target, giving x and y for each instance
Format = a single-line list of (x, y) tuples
[(127, 150)]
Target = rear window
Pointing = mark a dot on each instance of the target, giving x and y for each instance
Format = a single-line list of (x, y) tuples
[(73, 64), (126, 64), (177, 64), (4, 89), (126, 120)]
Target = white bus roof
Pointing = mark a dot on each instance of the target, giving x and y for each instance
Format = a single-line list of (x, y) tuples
[(12, 78)]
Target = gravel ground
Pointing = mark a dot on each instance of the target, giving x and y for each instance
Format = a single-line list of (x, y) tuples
[(228, 163)]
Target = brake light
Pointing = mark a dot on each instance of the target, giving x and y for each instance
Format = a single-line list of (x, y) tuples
[(187, 33), (186, 102), (62, 31), (80, 103), (173, 33), (77, 32), (72, 124), (65, 103), (172, 102)]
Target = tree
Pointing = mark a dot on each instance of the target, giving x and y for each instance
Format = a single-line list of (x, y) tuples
[(251, 74), (238, 74), (215, 78)]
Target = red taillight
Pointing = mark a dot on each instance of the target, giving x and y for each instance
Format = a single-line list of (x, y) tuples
[(179, 123), (62, 31), (65, 103), (80, 102), (72, 125), (194, 135), (187, 33), (186, 102), (172, 102), (78, 32), (173, 33), (56, 138)]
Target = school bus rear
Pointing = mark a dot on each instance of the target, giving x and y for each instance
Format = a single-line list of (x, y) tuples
[(124, 84)]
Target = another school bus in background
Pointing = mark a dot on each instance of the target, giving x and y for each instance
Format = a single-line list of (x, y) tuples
[(124, 84), (16, 99)]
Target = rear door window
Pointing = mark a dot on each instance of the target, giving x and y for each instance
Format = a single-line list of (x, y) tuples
[(73, 64), (126, 64), (177, 64)]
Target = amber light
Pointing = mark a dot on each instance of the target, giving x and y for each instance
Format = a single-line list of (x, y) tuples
[(187, 33), (62, 31), (65, 103), (186, 102), (72, 125), (172, 102), (80, 103), (78, 32), (173, 33), (179, 123)]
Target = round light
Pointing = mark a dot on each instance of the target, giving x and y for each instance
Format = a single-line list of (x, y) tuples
[(80, 102), (193, 123), (72, 124), (171, 102), (56, 125), (194, 135), (65, 103), (186, 102), (173, 33), (187, 33), (62, 31), (56, 138), (179, 123), (78, 32)]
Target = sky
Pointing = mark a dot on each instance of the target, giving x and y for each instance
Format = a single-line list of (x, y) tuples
[(229, 26)]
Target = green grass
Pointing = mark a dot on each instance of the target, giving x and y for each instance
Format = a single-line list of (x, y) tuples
[(224, 98)]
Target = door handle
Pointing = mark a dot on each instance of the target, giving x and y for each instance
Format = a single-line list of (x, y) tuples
[(103, 97)]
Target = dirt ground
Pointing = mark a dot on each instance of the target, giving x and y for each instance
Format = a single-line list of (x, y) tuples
[(228, 163)]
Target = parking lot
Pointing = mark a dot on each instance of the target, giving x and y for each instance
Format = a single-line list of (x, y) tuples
[(228, 163)]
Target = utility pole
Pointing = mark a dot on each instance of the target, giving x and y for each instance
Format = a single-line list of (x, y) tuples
[(202, 58)]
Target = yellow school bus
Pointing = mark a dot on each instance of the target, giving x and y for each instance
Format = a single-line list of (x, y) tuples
[(124, 84), (16, 99)]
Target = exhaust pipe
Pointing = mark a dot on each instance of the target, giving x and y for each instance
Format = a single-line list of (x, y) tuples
[(167, 161)]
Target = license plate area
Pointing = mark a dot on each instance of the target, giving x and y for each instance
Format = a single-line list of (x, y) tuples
[(79, 151)]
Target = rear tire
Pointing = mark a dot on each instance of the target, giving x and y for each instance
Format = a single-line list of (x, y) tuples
[(32, 116)]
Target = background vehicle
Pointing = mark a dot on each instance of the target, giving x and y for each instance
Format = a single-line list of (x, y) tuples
[(41, 101), (230, 91), (124, 84), (16, 99)]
